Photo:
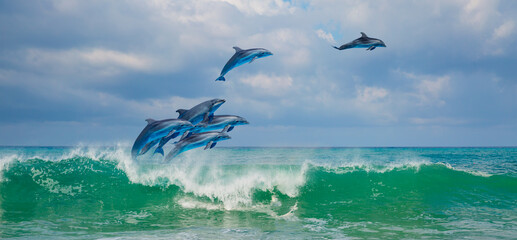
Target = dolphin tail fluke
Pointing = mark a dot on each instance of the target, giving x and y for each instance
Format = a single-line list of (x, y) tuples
[(159, 150), (221, 78), (209, 145), (186, 134), (336, 47)]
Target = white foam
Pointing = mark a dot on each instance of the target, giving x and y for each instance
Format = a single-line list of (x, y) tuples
[(5, 163), (197, 173), (472, 172)]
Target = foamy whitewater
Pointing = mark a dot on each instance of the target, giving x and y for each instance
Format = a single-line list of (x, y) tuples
[(250, 193)]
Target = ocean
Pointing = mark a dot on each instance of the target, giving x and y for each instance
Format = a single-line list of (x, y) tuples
[(259, 193)]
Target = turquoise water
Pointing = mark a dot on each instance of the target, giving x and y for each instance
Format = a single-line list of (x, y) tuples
[(250, 193)]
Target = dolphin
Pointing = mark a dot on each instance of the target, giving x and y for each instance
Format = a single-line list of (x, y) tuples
[(155, 130), (363, 42), (241, 57), (207, 139), (225, 122), (201, 111), (195, 115)]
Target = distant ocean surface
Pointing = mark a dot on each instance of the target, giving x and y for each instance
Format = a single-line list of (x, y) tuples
[(259, 193)]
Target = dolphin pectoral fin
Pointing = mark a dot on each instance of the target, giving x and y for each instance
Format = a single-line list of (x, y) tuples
[(210, 117), (225, 129), (148, 146), (208, 145), (231, 128), (253, 59), (171, 133), (206, 118), (370, 48), (185, 135), (213, 145)]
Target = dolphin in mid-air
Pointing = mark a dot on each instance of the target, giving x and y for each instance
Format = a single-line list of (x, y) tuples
[(201, 111), (363, 42), (207, 139), (157, 129), (195, 115), (225, 122), (241, 57)]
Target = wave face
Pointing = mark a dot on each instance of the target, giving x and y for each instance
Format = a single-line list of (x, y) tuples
[(259, 193)]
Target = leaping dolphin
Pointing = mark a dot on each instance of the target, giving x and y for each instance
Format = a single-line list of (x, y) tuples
[(363, 42), (156, 130), (207, 139), (225, 122), (195, 115), (201, 111), (241, 57)]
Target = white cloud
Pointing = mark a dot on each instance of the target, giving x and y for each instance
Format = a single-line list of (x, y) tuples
[(477, 13), (325, 36), (371, 94), (107, 62), (428, 89), (436, 121), (269, 85), (506, 29), (104, 57), (262, 7)]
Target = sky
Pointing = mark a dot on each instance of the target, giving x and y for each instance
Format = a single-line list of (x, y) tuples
[(90, 72)]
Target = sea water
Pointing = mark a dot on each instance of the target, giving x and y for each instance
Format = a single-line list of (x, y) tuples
[(259, 193)]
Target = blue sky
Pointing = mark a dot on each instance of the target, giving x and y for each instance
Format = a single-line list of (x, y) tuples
[(90, 72)]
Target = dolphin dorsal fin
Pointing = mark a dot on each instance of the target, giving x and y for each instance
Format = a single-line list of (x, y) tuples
[(181, 112), (237, 49), (363, 35), (150, 120)]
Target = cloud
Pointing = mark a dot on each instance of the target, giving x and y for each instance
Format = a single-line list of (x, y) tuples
[(429, 89), (101, 61), (477, 13), (370, 94), (505, 30), (325, 36), (269, 85), (436, 121), (262, 7)]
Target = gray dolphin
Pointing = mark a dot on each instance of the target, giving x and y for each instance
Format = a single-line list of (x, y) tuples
[(241, 57), (201, 111), (207, 139), (363, 42), (195, 115), (156, 130), (225, 122)]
